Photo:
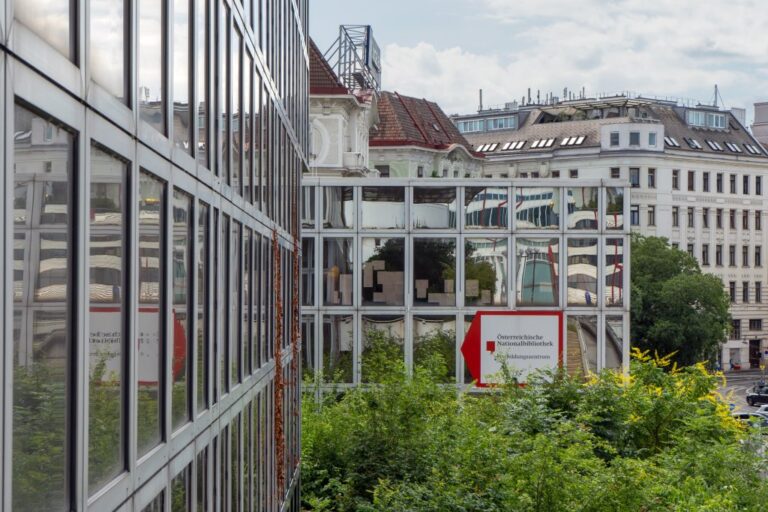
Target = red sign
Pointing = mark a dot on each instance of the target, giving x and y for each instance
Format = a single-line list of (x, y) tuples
[(523, 341)]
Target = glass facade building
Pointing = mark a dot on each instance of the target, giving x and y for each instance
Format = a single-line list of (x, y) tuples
[(153, 151), (398, 269)]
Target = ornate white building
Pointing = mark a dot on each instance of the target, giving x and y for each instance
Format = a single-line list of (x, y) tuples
[(698, 178)]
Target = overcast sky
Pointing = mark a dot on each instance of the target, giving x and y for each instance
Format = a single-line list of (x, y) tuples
[(445, 50)]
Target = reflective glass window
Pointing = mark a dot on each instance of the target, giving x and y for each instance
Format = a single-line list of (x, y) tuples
[(236, 124), (149, 323), (614, 341), (485, 271), (106, 322), (338, 207), (202, 338), (201, 475), (182, 121), (582, 271), (202, 94), (51, 20), (308, 207), (338, 353), (537, 208), (434, 345), (182, 304), (614, 271), (434, 207), (235, 465), (582, 206), (308, 346), (108, 33), (383, 265), (234, 273), (151, 72), (383, 207), (157, 504), (245, 315), (383, 340), (434, 271), (337, 271), (42, 309), (467, 375), (256, 301), (307, 271), (181, 491), (246, 127), (581, 338), (486, 207), (614, 209), (222, 83), (537, 271)]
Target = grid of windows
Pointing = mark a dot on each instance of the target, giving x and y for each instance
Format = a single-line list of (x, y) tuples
[(143, 235), (388, 253)]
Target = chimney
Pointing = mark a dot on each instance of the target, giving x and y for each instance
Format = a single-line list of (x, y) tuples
[(480, 109)]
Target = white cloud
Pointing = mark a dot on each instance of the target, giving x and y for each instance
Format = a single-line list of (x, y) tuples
[(674, 48)]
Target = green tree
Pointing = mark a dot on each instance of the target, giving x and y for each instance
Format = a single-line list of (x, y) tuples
[(675, 307)]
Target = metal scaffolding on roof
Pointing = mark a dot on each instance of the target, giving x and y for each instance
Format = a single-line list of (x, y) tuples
[(356, 58)]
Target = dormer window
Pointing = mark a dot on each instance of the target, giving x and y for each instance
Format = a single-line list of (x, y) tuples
[(692, 143), (671, 141), (714, 145)]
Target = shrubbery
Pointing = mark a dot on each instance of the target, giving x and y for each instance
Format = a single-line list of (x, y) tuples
[(660, 439)]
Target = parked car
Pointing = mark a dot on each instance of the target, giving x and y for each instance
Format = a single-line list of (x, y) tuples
[(757, 395), (763, 409), (752, 418)]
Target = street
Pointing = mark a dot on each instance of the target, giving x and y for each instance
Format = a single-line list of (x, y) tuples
[(737, 384)]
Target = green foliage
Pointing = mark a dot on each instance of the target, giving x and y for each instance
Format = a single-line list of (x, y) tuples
[(658, 440), (675, 308)]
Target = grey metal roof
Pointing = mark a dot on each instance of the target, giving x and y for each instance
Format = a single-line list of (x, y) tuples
[(531, 130)]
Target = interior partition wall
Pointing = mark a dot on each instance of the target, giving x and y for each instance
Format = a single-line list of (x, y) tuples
[(397, 269), (152, 154)]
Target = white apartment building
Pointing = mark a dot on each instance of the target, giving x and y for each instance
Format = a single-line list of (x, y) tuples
[(698, 178)]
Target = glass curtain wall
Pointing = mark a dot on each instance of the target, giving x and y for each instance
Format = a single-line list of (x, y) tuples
[(400, 285), (140, 169)]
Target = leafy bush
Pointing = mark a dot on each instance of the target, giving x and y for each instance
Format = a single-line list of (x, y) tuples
[(659, 439)]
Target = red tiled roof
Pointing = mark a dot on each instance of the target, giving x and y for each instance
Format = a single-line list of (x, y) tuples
[(322, 79), (411, 121)]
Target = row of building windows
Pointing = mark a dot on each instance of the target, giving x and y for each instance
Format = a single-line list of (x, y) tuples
[(486, 267), (481, 207), (634, 139), (159, 262), (706, 215), (350, 348), (755, 324), (746, 180), (745, 292), (757, 258), (206, 89)]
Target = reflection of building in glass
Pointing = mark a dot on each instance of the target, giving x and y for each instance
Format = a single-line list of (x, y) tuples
[(417, 278), (697, 177), (141, 291)]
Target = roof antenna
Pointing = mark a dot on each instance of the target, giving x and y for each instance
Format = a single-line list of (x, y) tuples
[(717, 95)]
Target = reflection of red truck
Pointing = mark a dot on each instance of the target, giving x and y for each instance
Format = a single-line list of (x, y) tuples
[(105, 342)]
